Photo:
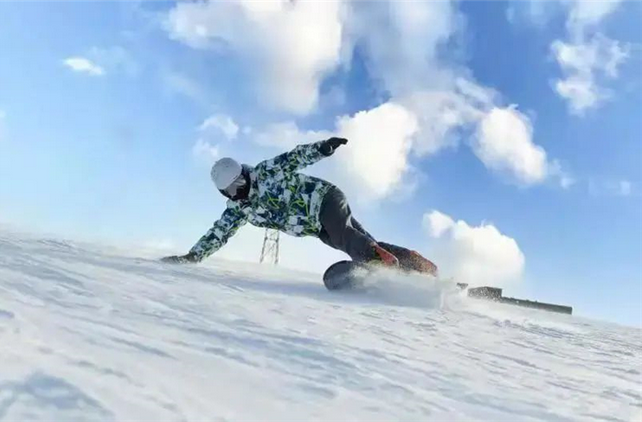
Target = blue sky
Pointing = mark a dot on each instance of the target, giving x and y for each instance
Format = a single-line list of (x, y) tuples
[(501, 139)]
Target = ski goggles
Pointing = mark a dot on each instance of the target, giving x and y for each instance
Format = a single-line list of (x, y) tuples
[(234, 187)]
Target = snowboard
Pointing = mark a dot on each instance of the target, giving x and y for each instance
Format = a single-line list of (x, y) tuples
[(345, 275), (351, 274), (348, 275)]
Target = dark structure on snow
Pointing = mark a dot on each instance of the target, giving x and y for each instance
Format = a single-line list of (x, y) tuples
[(495, 294)]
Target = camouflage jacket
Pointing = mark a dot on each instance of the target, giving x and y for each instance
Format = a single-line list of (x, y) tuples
[(280, 198)]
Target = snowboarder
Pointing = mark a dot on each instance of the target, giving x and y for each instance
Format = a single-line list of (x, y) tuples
[(274, 195)]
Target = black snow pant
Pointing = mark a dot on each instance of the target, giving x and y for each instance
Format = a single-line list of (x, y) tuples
[(340, 230)]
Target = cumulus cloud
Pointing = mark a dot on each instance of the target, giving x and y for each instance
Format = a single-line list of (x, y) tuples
[(403, 48), (205, 151), (442, 113), (293, 45), (582, 15), (220, 123), (589, 58), (444, 102), (114, 59), (213, 130), (583, 65), (84, 65), (503, 138), (478, 255), (504, 143), (376, 163), (100, 61), (537, 12), (585, 15), (380, 140)]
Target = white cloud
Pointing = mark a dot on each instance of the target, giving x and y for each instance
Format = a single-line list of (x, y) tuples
[(586, 57), (403, 44), (293, 45), (220, 123), (380, 140), (583, 64), (437, 223), (207, 149), (504, 143), (478, 255), (582, 15), (589, 57), (376, 162), (582, 93), (585, 15), (114, 59), (537, 12), (404, 55), (213, 129), (84, 65), (441, 113), (206, 152), (100, 61)]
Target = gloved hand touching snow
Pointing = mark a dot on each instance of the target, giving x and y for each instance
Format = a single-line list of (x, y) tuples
[(327, 148), (183, 259)]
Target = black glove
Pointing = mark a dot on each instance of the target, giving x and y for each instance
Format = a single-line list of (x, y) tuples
[(184, 259), (327, 147)]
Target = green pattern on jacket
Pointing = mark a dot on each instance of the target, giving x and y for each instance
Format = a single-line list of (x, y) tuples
[(280, 198)]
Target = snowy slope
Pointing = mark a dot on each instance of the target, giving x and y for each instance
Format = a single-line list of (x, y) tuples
[(89, 334)]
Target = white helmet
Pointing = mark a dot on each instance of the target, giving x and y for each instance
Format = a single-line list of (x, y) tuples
[(224, 172)]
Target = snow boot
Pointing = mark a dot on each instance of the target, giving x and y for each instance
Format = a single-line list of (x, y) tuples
[(410, 260), (384, 257)]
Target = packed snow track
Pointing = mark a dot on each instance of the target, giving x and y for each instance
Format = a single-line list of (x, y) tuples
[(88, 333)]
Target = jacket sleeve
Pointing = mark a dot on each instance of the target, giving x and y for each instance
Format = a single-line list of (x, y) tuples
[(297, 159), (223, 229)]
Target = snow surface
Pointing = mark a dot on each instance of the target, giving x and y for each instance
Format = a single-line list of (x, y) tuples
[(89, 333)]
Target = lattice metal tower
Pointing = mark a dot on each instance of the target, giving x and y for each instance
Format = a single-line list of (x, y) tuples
[(270, 250)]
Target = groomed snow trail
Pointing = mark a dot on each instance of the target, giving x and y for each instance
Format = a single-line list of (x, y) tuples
[(88, 334)]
